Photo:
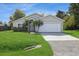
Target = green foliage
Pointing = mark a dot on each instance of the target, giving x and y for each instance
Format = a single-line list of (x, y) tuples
[(60, 14), (72, 20), (18, 14), (15, 29), (11, 25), (34, 23), (6, 27), (26, 25), (74, 10), (1, 22), (69, 22), (11, 18), (66, 18), (37, 23), (40, 23)]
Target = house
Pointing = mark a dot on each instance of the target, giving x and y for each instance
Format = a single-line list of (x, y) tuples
[(50, 23), (1, 27)]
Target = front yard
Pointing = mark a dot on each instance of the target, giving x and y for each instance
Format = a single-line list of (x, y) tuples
[(74, 33), (14, 43)]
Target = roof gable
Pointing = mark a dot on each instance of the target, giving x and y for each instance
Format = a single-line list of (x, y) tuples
[(51, 19), (34, 17)]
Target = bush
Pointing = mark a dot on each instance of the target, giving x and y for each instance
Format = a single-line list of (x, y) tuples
[(69, 23), (15, 29)]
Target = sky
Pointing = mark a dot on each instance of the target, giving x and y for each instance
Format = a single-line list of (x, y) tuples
[(7, 9)]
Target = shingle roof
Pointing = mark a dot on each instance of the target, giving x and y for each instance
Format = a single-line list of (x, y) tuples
[(40, 15)]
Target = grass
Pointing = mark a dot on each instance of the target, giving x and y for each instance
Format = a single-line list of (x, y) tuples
[(13, 44), (74, 33)]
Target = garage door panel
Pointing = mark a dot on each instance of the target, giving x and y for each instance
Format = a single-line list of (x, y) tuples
[(50, 28)]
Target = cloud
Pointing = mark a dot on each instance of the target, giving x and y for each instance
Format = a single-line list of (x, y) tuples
[(28, 6)]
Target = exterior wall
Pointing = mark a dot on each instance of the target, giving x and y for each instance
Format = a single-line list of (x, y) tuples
[(50, 27), (16, 22), (51, 19), (22, 20)]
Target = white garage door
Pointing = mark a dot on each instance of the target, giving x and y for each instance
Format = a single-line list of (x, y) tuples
[(50, 28)]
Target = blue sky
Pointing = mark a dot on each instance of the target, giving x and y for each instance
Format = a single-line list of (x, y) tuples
[(8, 9)]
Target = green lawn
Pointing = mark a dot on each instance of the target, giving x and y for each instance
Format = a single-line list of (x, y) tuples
[(13, 44), (74, 33)]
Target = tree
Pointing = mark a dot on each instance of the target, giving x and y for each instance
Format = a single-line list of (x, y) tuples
[(11, 22), (34, 25), (37, 24), (66, 18), (11, 18), (11, 25), (60, 14), (26, 25), (1, 22), (17, 14), (74, 10), (69, 22), (6, 26)]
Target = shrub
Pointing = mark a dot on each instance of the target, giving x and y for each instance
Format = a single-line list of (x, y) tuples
[(69, 23), (15, 29)]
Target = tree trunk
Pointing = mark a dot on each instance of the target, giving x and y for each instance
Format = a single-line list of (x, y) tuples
[(38, 28), (29, 27)]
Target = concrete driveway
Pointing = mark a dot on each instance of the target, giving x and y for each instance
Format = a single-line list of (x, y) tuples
[(57, 36), (62, 44)]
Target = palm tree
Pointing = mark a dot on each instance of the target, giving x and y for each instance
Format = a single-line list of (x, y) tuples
[(37, 24), (40, 23), (34, 24), (26, 25)]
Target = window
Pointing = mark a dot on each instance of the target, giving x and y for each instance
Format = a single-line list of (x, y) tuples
[(19, 25)]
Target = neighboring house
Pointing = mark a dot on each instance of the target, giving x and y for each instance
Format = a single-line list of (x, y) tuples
[(50, 23), (1, 27)]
